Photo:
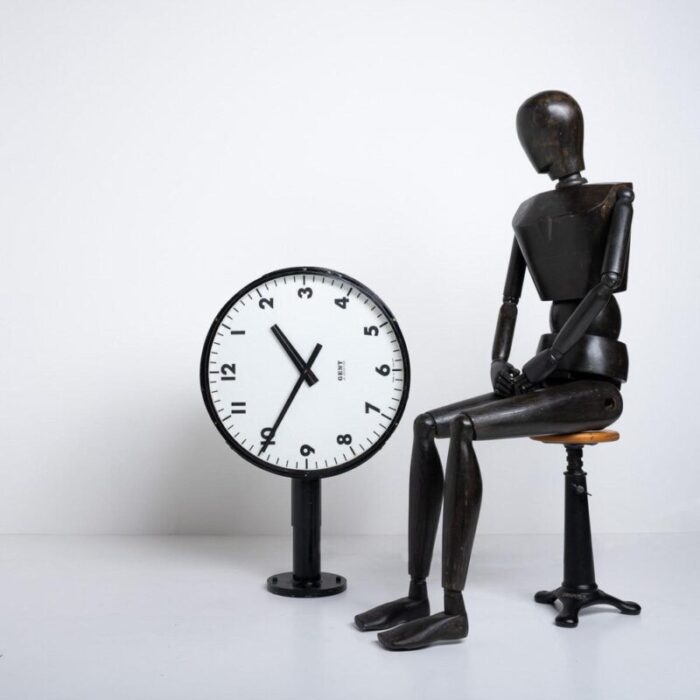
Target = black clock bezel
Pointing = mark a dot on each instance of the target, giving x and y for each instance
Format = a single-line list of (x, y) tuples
[(324, 472)]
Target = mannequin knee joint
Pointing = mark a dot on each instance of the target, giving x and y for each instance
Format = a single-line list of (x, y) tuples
[(462, 428), (424, 426)]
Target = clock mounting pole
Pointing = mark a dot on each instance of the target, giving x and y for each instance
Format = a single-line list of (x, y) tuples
[(306, 580)]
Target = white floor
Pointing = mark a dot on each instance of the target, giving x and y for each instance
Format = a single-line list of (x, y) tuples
[(188, 617)]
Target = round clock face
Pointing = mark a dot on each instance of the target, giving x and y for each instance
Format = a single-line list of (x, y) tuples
[(305, 372)]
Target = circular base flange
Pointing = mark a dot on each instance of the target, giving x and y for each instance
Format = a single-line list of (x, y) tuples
[(285, 584)]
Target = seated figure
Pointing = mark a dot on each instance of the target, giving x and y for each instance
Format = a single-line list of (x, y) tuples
[(574, 241)]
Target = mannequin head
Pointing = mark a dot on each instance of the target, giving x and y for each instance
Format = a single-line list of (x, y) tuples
[(550, 129)]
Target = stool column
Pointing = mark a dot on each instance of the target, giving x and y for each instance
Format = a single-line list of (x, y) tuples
[(579, 589), (579, 572)]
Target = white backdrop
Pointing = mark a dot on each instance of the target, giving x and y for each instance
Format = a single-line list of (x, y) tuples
[(157, 156)]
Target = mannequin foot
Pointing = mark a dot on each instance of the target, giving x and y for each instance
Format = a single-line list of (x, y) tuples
[(391, 614), (448, 626), (424, 632)]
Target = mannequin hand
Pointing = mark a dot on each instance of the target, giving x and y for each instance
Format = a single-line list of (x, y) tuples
[(522, 385), (503, 378)]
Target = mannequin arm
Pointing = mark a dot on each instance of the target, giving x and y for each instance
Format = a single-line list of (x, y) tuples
[(503, 373)]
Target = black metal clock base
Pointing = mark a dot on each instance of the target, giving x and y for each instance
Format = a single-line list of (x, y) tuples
[(306, 580), (286, 584)]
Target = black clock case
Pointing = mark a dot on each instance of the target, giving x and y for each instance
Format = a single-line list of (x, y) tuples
[(253, 459), (306, 580)]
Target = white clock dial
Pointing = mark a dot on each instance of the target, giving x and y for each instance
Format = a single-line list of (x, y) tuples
[(286, 416)]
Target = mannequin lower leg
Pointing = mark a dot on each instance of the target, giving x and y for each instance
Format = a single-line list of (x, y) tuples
[(425, 500), (463, 490)]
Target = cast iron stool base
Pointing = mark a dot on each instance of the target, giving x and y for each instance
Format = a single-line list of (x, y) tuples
[(572, 601), (579, 589)]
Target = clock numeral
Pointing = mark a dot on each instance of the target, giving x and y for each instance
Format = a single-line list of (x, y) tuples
[(384, 370), (228, 373), (342, 302), (369, 407), (306, 450), (371, 330), (265, 302), (238, 406), (305, 292), (266, 434), (344, 439)]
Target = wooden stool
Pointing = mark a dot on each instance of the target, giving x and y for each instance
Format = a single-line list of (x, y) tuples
[(579, 589)]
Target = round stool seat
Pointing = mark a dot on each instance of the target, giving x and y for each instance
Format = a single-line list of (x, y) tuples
[(587, 437)]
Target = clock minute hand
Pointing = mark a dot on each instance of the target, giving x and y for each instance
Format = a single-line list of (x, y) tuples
[(309, 377), (306, 366)]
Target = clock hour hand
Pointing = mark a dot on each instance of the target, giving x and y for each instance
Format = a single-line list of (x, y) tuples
[(309, 377), (305, 367)]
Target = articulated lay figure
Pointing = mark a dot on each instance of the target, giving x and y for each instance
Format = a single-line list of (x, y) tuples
[(574, 240)]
